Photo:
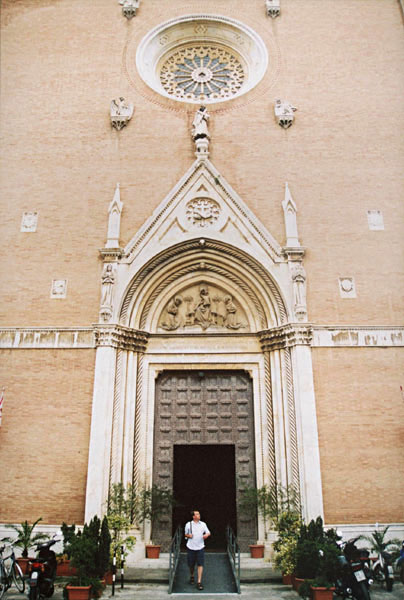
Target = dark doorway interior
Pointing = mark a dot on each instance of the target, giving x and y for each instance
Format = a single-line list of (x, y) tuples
[(204, 479)]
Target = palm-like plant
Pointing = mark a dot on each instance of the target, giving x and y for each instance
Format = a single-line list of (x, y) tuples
[(377, 540), (25, 538)]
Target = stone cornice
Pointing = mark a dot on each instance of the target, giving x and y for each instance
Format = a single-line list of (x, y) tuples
[(294, 253), (111, 254), (354, 336), (286, 336), (121, 337), (47, 337)]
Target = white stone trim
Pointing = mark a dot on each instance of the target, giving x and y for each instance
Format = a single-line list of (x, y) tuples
[(328, 336), (215, 28), (352, 530), (191, 360), (47, 337), (354, 336)]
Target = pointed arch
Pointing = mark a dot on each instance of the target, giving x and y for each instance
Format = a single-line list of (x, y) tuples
[(203, 259)]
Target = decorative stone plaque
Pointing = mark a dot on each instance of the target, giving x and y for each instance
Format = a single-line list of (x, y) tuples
[(59, 288), (347, 287), (375, 220), (29, 222)]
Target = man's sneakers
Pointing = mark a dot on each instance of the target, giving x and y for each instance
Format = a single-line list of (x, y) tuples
[(199, 586)]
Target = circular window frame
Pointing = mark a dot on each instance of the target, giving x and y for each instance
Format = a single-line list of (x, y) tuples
[(162, 41)]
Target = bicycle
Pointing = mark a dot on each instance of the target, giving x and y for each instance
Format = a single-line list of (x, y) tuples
[(10, 574)]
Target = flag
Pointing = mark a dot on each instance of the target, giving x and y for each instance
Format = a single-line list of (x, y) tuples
[(1, 403)]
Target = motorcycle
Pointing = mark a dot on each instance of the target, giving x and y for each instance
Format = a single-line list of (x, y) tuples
[(42, 571), (354, 580), (382, 569), (399, 564)]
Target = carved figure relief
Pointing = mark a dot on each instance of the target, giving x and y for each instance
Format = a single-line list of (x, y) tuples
[(108, 280), (202, 212), (172, 321), (299, 291), (284, 113), (121, 112), (202, 307), (200, 124)]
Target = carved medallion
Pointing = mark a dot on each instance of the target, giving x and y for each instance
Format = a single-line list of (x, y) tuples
[(202, 212)]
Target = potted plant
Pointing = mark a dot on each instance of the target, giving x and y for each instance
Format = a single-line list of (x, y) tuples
[(317, 560), (64, 569), (270, 503), (121, 512), (89, 552), (287, 525), (26, 540), (258, 500), (152, 503)]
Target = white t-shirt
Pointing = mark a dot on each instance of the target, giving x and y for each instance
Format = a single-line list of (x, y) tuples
[(198, 530)]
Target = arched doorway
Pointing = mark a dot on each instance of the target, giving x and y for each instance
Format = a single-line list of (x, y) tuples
[(204, 450)]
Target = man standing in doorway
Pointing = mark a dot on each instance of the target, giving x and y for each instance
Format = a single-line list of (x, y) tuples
[(196, 531)]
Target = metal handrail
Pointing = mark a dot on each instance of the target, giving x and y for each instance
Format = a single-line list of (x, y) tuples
[(233, 552), (175, 549)]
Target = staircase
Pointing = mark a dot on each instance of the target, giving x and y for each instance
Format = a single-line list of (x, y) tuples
[(217, 576)]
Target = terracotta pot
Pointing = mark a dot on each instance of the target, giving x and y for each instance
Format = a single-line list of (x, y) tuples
[(322, 593), (152, 551), (297, 582), (286, 579), (64, 569), (23, 564), (82, 592), (108, 577), (257, 550)]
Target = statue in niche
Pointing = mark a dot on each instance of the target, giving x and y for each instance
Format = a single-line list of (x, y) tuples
[(108, 280), (172, 321), (203, 314), (299, 284), (200, 124), (231, 317)]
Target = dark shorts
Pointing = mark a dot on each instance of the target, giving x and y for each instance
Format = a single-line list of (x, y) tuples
[(196, 556)]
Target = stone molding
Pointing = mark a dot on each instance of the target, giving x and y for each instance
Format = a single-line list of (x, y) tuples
[(286, 336), (47, 337), (351, 336), (121, 337), (130, 339)]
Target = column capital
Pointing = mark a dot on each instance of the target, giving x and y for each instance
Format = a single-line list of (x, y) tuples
[(286, 336), (118, 336)]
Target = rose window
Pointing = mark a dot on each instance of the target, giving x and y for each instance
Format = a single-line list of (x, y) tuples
[(201, 58), (202, 72)]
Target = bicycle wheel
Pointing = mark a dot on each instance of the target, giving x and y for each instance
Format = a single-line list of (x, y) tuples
[(18, 578), (3, 586)]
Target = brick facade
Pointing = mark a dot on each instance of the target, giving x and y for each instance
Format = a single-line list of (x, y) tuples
[(340, 63)]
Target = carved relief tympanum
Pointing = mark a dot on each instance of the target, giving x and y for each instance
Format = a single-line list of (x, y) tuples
[(203, 307)]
